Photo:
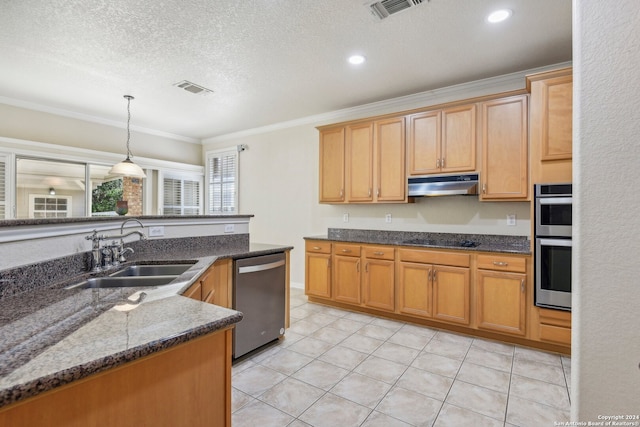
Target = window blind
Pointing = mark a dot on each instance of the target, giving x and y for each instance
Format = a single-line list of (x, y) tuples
[(222, 171)]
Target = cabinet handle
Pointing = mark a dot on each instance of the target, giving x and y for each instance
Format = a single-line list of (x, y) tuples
[(434, 276), (366, 268), (429, 276), (358, 266), (438, 163), (341, 193), (316, 248), (484, 188), (346, 251), (522, 286), (378, 193), (442, 162), (369, 194), (500, 263), (378, 253)]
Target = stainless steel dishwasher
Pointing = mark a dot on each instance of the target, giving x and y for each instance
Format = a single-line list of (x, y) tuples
[(259, 293)]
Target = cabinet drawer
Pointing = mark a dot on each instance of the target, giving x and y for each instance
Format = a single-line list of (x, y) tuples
[(379, 252), (317, 246), (434, 257), (346, 249), (555, 317), (556, 334), (502, 263)]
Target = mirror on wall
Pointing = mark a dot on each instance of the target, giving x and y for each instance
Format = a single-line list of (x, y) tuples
[(48, 188)]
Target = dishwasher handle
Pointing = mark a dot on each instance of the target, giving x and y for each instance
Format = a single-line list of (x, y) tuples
[(260, 267)]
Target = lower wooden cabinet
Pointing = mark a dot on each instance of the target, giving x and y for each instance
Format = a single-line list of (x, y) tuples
[(554, 326), (501, 294), (431, 290), (318, 269), (346, 273), (378, 283), (214, 285), (451, 294)]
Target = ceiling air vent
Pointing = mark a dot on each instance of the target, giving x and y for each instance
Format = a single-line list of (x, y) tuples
[(385, 8), (193, 88)]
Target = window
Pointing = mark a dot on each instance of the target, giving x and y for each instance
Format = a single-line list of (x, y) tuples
[(222, 180), (181, 195), (43, 206)]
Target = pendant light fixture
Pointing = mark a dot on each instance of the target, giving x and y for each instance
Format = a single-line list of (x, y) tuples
[(127, 167)]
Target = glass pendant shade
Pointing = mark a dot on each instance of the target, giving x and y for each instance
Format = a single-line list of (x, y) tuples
[(127, 167)]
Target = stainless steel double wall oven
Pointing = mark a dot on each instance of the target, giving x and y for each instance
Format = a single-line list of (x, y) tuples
[(553, 219)]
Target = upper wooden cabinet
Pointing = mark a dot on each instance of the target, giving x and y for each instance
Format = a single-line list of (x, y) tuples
[(551, 125), (332, 151), (443, 141), (505, 171), (364, 162)]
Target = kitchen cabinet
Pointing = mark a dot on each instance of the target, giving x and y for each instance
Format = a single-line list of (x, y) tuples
[(551, 125), (379, 277), (214, 285), (554, 326), (346, 273), (434, 284), (501, 284), (443, 141), (360, 162), (187, 384), (318, 268), (332, 165), (364, 162), (505, 172)]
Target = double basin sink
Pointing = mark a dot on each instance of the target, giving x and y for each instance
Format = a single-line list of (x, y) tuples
[(136, 276)]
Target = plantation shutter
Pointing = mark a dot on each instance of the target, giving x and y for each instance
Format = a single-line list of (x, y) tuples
[(222, 171), (181, 196)]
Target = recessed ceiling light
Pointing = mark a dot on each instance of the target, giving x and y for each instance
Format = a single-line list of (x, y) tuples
[(499, 15), (356, 59)]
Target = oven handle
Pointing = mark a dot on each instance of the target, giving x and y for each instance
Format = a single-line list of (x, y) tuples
[(555, 242), (555, 200)]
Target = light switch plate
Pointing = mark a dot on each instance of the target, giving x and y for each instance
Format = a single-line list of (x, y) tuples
[(229, 228), (387, 218), (511, 219), (345, 217), (156, 231)]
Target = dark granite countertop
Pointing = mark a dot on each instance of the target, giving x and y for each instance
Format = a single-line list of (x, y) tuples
[(483, 242), (51, 336)]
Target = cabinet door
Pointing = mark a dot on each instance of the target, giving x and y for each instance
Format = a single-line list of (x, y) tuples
[(318, 275), (458, 139), (504, 149), (379, 282), (391, 179), (424, 143), (360, 162), (501, 301), (414, 289), (332, 165), (451, 294), (346, 279), (557, 118)]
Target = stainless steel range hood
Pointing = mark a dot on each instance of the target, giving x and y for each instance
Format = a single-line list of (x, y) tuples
[(448, 185)]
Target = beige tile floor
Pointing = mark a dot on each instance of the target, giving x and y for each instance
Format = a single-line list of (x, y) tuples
[(339, 368)]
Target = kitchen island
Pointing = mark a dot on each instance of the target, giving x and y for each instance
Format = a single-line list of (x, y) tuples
[(116, 356)]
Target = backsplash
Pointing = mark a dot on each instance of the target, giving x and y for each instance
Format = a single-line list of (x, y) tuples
[(29, 277)]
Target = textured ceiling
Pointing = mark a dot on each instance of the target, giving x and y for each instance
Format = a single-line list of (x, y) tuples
[(267, 61)]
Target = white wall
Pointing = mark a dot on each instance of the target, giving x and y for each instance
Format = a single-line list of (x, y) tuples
[(31, 125), (606, 323)]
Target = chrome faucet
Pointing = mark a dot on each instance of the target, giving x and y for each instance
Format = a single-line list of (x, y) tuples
[(113, 255)]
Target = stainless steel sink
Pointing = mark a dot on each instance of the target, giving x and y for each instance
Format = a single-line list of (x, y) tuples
[(152, 270), (123, 281)]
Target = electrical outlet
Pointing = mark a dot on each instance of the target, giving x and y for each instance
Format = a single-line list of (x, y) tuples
[(229, 228), (387, 218), (156, 231), (345, 217), (511, 219)]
